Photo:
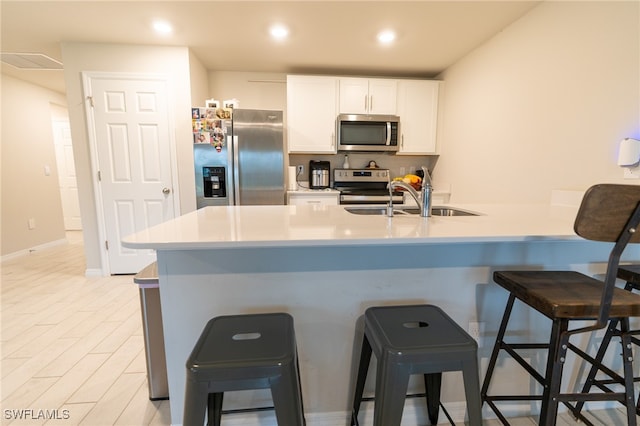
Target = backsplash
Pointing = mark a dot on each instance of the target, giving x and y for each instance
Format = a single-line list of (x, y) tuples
[(398, 165)]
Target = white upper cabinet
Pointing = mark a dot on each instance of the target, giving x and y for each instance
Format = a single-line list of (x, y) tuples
[(418, 111), (311, 114), (367, 96)]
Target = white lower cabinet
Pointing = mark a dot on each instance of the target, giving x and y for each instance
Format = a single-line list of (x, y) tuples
[(323, 198)]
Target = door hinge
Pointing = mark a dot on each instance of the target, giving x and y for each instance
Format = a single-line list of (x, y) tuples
[(106, 245), (90, 99), (99, 176)]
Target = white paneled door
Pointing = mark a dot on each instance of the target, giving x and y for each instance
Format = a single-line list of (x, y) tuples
[(129, 119), (66, 175)]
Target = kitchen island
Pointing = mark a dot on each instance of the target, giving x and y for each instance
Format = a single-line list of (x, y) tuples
[(325, 266)]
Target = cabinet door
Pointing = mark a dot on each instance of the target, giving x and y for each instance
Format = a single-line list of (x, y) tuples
[(418, 111), (323, 200), (311, 114), (354, 96), (367, 96), (382, 96)]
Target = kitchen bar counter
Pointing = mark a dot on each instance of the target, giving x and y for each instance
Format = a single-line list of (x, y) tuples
[(325, 266), (323, 225)]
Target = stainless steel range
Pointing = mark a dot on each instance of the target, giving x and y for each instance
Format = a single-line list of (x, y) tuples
[(364, 186)]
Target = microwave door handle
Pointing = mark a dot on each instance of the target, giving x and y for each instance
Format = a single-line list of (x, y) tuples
[(388, 142)]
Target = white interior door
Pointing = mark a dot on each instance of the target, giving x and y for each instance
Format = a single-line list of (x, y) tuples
[(132, 141), (66, 175)]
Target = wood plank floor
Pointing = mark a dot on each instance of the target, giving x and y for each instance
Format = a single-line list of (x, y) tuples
[(72, 346)]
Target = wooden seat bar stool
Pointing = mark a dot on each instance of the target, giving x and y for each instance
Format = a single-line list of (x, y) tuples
[(608, 213), (241, 352), (630, 274)]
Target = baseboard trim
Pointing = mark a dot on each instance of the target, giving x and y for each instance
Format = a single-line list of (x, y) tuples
[(94, 273), (414, 413), (30, 250)]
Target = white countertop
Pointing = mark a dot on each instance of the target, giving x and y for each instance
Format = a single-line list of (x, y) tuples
[(319, 225)]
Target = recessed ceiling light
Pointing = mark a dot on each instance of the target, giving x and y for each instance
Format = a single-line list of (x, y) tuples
[(162, 27), (386, 36), (279, 32)]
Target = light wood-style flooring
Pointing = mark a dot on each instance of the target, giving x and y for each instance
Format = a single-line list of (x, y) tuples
[(72, 347), (72, 344)]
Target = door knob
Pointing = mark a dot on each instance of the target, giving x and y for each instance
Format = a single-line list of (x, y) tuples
[(166, 191)]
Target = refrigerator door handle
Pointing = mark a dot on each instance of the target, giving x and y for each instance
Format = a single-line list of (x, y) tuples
[(236, 172)]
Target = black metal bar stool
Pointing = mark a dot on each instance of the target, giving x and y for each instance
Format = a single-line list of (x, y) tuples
[(415, 339), (631, 274), (240, 352), (608, 213)]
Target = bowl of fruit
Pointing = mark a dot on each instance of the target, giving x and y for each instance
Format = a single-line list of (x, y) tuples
[(414, 180)]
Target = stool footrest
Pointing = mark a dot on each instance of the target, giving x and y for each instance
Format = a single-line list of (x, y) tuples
[(511, 349), (248, 410)]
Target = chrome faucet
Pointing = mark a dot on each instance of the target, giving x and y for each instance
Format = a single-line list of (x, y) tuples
[(423, 200)]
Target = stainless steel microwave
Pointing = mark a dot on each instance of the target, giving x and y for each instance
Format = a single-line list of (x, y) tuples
[(368, 132)]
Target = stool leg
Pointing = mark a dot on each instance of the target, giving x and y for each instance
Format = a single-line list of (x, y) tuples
[(195, 403), (432, 385), (363, 368), (287, 400), (553, 374), (627, 359), (602, 350), (496, 348), (304, 420), (471, 391), (392, 381), (214, 413)]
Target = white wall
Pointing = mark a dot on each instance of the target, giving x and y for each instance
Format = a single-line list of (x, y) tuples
[(543, 105), (171, 61), (253, 90), (27, 147), (199, 79)]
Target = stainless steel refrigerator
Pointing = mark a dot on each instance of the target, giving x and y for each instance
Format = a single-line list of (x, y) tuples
[(239, 161)]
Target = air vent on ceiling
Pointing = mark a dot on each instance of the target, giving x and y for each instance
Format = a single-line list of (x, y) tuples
[(31, 61)]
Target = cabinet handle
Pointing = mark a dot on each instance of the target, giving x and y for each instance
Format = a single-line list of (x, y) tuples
[(365, 102), (402, 141), (333, 140), (313, 202), (371, 102)]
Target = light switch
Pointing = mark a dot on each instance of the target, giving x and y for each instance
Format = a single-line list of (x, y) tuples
[(47, 170)]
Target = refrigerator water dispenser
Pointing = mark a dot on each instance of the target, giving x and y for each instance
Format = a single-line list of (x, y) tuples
[(214, 182)]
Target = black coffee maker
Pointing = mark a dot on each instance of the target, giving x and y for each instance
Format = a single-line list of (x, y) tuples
[(319, 174)]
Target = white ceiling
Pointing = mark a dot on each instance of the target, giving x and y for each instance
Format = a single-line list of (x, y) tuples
[(337, 37)]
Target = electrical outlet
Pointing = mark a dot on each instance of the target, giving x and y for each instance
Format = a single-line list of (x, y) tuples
[(299, 169), (631, 174), (31, 223), (476, 329)]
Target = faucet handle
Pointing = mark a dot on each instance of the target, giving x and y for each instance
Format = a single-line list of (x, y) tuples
[(426, 177)]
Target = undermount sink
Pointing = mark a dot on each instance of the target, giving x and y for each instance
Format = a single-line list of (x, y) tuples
[(450, 211), (412, 211)]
